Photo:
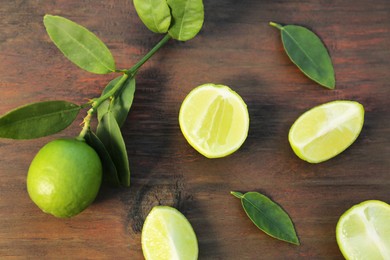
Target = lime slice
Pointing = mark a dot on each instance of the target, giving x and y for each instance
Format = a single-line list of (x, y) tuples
[(214, 119), (363, 231), (326, 130), (167, 234)]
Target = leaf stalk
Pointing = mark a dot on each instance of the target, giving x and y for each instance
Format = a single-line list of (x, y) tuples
[(276, 25), (237, 194), (95, 103), (138, 65)]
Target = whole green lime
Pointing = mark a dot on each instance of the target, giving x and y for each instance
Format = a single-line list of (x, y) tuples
[(64, 177)]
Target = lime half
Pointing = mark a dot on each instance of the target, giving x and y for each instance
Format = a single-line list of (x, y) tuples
[(363, 231), (326, 130), (167, 234), (214, 119)]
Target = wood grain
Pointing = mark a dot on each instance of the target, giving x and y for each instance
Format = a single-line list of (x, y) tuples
[(238, 48)]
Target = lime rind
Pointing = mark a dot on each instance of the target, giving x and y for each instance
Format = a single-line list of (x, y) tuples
[(64, 177)]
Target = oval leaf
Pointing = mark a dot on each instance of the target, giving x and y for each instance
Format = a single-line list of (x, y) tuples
[(110, 135), (308, 53), (120, 104), (155, 14), (79, 45), (109, 170), (268, 216), (188, 16), (38, 119)]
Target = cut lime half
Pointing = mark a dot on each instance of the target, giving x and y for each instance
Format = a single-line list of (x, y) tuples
[(214, 120), (168, 235), (363, 231)]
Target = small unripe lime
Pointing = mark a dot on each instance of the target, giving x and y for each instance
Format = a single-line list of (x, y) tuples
[(64, 177)]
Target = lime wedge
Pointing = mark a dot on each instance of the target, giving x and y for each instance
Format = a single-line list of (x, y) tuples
[(363, 231), (167, 234), (214, 119), (326, 130)]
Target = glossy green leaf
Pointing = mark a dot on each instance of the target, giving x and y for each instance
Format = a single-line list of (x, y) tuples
[(109, 170), (121, 103), (38, 119), (268, 216), (188, 16), (308, 53), (79, 45), (155, 14), (110, 135)]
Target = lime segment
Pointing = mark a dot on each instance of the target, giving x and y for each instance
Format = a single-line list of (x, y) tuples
[(326, 130), (363, 231), (214, 119), (167, 234)]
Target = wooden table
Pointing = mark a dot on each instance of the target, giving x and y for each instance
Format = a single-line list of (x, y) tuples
[(238, 48)]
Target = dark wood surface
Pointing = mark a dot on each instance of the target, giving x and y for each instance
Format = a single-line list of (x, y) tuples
[(238, 48)]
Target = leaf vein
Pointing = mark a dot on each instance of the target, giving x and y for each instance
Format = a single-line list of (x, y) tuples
[(300, 48)]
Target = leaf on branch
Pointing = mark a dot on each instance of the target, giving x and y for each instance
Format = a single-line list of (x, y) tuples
[(110, 135), (79, 45), (188, 16), (110, 173), (38, 119), (155, 14), (121, 103)]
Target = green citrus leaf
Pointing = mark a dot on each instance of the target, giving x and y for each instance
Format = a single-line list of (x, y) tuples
[(308, 53), (110, 135), (268, 216), (155, 14), (188, 16), (109, 170), (120, 104), (79, 45), (38, 119)]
